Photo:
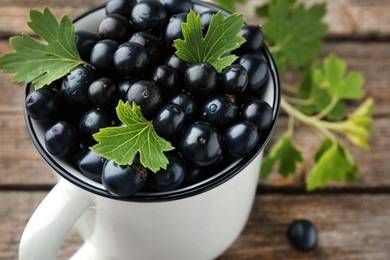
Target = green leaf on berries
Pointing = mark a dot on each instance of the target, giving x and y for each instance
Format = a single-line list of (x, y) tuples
[(284, 152), (122, 143), (333, 163), (39, 62), (221, 38), (294, 32)]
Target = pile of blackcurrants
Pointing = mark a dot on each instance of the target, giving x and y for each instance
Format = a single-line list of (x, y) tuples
[(211, 118)]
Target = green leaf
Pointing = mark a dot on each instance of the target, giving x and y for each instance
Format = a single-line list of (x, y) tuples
[(294, 32), (319, 97), (229, 5), (221, 37), (38, 62), (284, 152), (333, 163), (263, 10), (331, 76), (122, 143)]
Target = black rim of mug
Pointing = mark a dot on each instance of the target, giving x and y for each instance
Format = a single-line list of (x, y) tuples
[(179, 193)]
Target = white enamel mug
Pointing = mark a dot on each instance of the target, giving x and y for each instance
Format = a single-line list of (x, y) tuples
[(196, 222)]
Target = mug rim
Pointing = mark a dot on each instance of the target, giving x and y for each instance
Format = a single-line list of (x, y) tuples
[(181, 193)]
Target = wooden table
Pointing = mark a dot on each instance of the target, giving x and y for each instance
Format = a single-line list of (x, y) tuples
[(353, 219)]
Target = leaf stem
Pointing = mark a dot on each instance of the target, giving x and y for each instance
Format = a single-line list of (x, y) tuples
[(275, 49), (327, 109), (289, 88), (299, 101), (310, 120)]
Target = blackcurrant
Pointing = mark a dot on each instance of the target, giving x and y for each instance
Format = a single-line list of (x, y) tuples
[(122, 7), (258, 112), (177, 64), (165, 78), (92, 121), (173, 30), (302, 234), (151, 43), (102, 56), (43, 104), (74, 88), (257, 70), (123, 181), (169, 120), (131, 59), (177, 6), (253, 36), (61, 139), (186, 102), (171, 178), (91, 164), (201, 144), (241, 138), (149, 16), (234, 79), (200, 79), (194, 175), (146, 95), (85, 42), (124, 86), (220, 110), (114, 27), (103, 93)]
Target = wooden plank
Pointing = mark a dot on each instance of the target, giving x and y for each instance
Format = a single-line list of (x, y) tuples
[(21, 164), (346, 18), (350, 226)]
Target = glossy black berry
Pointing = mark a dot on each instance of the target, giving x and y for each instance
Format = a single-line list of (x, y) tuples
[(114, 27), (153, 46), (205, 19), (124, 86), (123, 181), (186, 102), (61, 139), (74, 88), (177, 64), (171, 178), (102, 56), (220, 111), (177, 6), (169, 120), (103, 93), (147, 95), (234, 79), (194, 175), (91, 164), (200, 79), (92, 121), (241, 138), (131, 59), (257, 70), (173, 30), (254, 38), (43, 104), (201, 144), (165, 78), (122, 7), (149, 16), (85, 42), (302, 234), (258, 112)]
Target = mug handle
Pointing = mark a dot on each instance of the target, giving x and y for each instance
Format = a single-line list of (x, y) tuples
[(48, 226)]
